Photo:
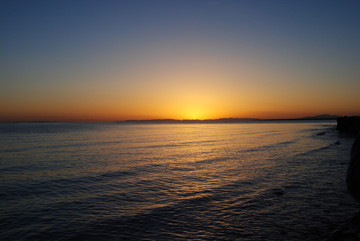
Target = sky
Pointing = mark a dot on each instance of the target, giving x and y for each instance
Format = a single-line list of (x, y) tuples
[(105, 60)]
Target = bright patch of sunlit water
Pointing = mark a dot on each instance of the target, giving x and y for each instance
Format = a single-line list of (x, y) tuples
[(101, 181)]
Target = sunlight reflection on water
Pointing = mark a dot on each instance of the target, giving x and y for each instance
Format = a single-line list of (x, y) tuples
[(249, 181)]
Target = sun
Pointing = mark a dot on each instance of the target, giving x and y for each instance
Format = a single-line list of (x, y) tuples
[(194, 106), (196, 114)]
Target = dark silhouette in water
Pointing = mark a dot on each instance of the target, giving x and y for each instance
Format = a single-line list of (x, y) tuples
[(353, 173)]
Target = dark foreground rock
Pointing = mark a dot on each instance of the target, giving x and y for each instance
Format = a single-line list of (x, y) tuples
[(350, 231), (349, 125)]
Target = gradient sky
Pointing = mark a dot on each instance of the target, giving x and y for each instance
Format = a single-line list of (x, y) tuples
[(106, 60)]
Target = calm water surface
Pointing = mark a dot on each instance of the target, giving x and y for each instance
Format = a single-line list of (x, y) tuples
[(101, 181)]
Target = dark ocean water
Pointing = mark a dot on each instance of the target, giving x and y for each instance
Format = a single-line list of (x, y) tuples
[(102, 181)]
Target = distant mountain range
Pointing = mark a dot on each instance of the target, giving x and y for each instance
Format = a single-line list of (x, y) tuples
[(321, 117), (220, 120), (230, 120)]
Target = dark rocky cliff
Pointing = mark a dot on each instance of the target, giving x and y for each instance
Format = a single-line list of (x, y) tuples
[(349, 125)]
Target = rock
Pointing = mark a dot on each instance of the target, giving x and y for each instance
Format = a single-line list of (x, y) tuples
[(279, 192), (349, 125), (351, 229), (353, 172)]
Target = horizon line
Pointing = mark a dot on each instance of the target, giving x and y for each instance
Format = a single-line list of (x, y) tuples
[(171, 120)]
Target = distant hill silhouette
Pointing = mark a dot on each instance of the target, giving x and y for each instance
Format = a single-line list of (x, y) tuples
[(230, 120), (221, 120), (321, 117)]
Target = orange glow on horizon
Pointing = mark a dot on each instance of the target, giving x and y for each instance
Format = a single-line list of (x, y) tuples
[(192, 88)]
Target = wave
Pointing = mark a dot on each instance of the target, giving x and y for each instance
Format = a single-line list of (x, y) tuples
[(59, 146), (315, 150), (157, 146), (271, 146), (199, 142), (209, 161)]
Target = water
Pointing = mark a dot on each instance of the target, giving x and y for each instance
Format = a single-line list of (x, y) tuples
[(102, 181)]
